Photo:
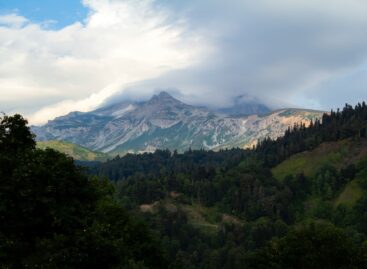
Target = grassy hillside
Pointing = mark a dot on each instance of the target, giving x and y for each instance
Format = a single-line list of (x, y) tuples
[(338, 154), (77, 152), (206, 219), (350, 195)]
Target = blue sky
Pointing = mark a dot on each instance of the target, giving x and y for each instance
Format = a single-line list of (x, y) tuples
[(62, 56), (60, 12)]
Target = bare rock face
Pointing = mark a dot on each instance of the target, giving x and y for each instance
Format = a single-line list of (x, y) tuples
[(163, 122)]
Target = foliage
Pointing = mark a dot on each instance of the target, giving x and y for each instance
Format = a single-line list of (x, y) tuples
[(226, 210), (316, 245), (209, 209), (54, 216), (339, 125)]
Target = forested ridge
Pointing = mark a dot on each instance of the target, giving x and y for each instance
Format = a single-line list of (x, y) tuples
[(199, 209), (226, 210), (336, 125)]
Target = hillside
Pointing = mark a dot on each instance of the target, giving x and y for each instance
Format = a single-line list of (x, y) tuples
[(164, 122), (204, 203), (77, 152), (338, 154), (301, 195), (243, 208)]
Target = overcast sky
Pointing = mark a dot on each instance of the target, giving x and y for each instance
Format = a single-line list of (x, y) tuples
[(61, 56)]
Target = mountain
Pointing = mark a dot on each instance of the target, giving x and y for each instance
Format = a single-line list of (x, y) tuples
[(298, 201), (165, 122), (295, 202), (77, 152), (243, 107)]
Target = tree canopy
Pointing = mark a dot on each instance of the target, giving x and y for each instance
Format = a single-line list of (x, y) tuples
[(52, 215)]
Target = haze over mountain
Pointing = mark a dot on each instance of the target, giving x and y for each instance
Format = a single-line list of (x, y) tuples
[(243, 106), (165, 122), (76, 55)]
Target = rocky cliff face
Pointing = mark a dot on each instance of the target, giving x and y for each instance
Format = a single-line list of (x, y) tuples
[(164, 122)]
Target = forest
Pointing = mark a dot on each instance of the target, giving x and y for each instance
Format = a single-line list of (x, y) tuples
[(52, 215), (198, 209)]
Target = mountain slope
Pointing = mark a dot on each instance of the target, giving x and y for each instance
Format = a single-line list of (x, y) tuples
[(233, 206), (242, 106), (77, 152), (164, 122), (338, 154)]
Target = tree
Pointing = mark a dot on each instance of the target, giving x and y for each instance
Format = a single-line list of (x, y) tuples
[(316, 245), (54, 216), (15, 135)]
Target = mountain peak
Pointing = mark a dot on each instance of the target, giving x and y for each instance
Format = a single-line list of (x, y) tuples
[(163, 96)]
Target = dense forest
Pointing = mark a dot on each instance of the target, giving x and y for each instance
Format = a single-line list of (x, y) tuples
[(226, 210), (199, 209), (52, 215)]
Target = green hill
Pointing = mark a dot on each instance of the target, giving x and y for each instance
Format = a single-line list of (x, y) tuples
[(244, 208), (350, 195), (338, 154), (77, 152)]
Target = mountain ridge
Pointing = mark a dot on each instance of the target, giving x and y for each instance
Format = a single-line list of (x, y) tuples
[(165, 122)]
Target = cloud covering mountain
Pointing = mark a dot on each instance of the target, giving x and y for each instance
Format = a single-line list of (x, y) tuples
[(164, 122), (302, 53)]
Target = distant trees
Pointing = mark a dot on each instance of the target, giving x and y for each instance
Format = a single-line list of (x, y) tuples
[(350, 122), (53, 215), (273, 229)]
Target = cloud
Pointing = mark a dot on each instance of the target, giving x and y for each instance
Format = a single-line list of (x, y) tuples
[(12, 20), (284, 53), (119, 43), (280, 51)]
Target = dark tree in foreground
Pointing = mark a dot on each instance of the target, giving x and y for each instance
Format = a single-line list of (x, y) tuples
[(54, 216), (317, 245)]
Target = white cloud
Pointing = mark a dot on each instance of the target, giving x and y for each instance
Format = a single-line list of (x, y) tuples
[(279, 51), (12, 20), (292, 52), (79, 66)]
